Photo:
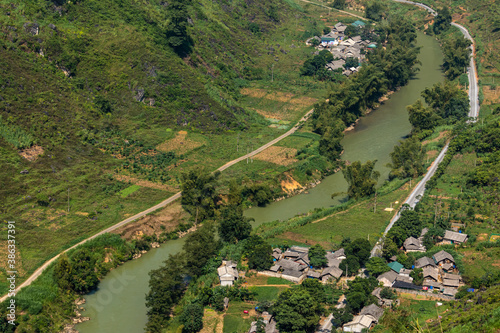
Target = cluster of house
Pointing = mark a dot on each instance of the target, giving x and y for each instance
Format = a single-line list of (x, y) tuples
[(412, 244), (294, 265), (343, 47)]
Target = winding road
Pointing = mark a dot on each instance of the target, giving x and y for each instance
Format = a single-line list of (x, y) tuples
[(162, 204), (419, 190)]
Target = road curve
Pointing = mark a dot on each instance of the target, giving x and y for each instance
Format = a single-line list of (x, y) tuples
[(419, 190), (162, 204)]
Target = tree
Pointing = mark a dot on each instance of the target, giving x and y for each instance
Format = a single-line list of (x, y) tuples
[(390, 248), (84, 276), (351, 263), (200, 246), (418, 276), (296, 311), (199, 196), (233, 226), (317, 256), (407, 159), (375, 10), (166, 287), (63, 273), (339, 4), (341, 316), (329, 144), (351, 62), (261, 257), (192, 318), (315, 288), (442, 20), (421, 118), (387, 293), (351, 31), (361, 179), (177, 34), (456, 56), (356, 300), (360, 248), (447, 100), (376, 266)]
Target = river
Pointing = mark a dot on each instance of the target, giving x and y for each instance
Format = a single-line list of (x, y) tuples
[(119, 303)]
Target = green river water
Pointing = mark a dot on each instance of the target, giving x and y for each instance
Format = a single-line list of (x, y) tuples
[(119, 303)]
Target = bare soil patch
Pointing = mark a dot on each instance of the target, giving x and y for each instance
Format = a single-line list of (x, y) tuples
[(181, 144), (4, 259), (432, 153), (165, 220), (212, 322), (32, 153), (289, 185), (145, 183), (491, 94), (278, 155)]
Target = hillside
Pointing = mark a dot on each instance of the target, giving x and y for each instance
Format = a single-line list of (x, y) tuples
[(100, 114)]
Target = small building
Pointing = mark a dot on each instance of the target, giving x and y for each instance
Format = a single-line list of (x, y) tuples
[(452, 277), (433, 284), (387, 279), (359, 24), (451, 283), (425, 262), (340, 27), (330, 272), (381, 301), (405, 272), (450, 292), (395, 266), (431, 273), (406, 285), (372, 310), (277, 254), (453, 237), (404, 278), (313, 274), (412, 244), (443, 257), (227, 273), (448, 267), (359, 323)]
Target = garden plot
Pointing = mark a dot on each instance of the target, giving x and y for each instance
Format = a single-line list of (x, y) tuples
[(278, 155), (181, 144)]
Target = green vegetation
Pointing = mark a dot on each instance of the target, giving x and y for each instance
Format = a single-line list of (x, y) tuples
[(361, 179), (15, 135)]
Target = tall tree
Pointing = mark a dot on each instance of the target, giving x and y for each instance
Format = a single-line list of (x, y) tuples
[(407, 159), (233, 226), (200, 246), (361, 179), (83, 271), (421, 117), (456, 56), (329, 144), (199, 197), (63, 273), (375, 10), (177, 34), (296, 311), (166, 287), (447, 100), (192, 318), (317, 256), (442, 20)]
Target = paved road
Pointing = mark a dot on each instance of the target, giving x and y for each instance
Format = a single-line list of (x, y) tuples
[(162, 204), (419, 190)]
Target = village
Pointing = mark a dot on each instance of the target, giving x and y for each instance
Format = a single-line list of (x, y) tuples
[(438, 274), (348, 52)]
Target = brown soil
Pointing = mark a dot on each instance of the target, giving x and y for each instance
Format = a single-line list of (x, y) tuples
[(32, 153), (289, 185), (482, 237), (145, 183), (278, 155), (491, 96), (180, 144), (432, 153), (169, 217), (212, 322), (18, 266)]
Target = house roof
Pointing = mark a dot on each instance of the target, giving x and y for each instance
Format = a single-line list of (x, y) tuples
[(301, 249), (442, 255), (292, 272), (277, 250), (447, 266), (290, 264), (393, 258), (275, 268), (372, 310), (424, 261), (405, 271), (452, 276), (405, 285), (333, 271), (450, 291), (390, 276), (339, 252), (455, 237), (359, 23), (411, 241), (227, 271), (363, 320), (451, 283), (313, 274), (424, 231), (431, 272), (340, 27), (404, 278), (376, 292), (432, 283), (290, 254), (395, 266)]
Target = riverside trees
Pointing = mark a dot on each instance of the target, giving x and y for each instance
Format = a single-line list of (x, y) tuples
[(387, 68), (361, 179)]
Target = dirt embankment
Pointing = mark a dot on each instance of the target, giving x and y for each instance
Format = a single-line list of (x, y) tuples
[(165, 220)]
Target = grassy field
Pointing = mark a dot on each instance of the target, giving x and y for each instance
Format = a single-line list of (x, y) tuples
[(358, 221), (266, 293), (235, 320)]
